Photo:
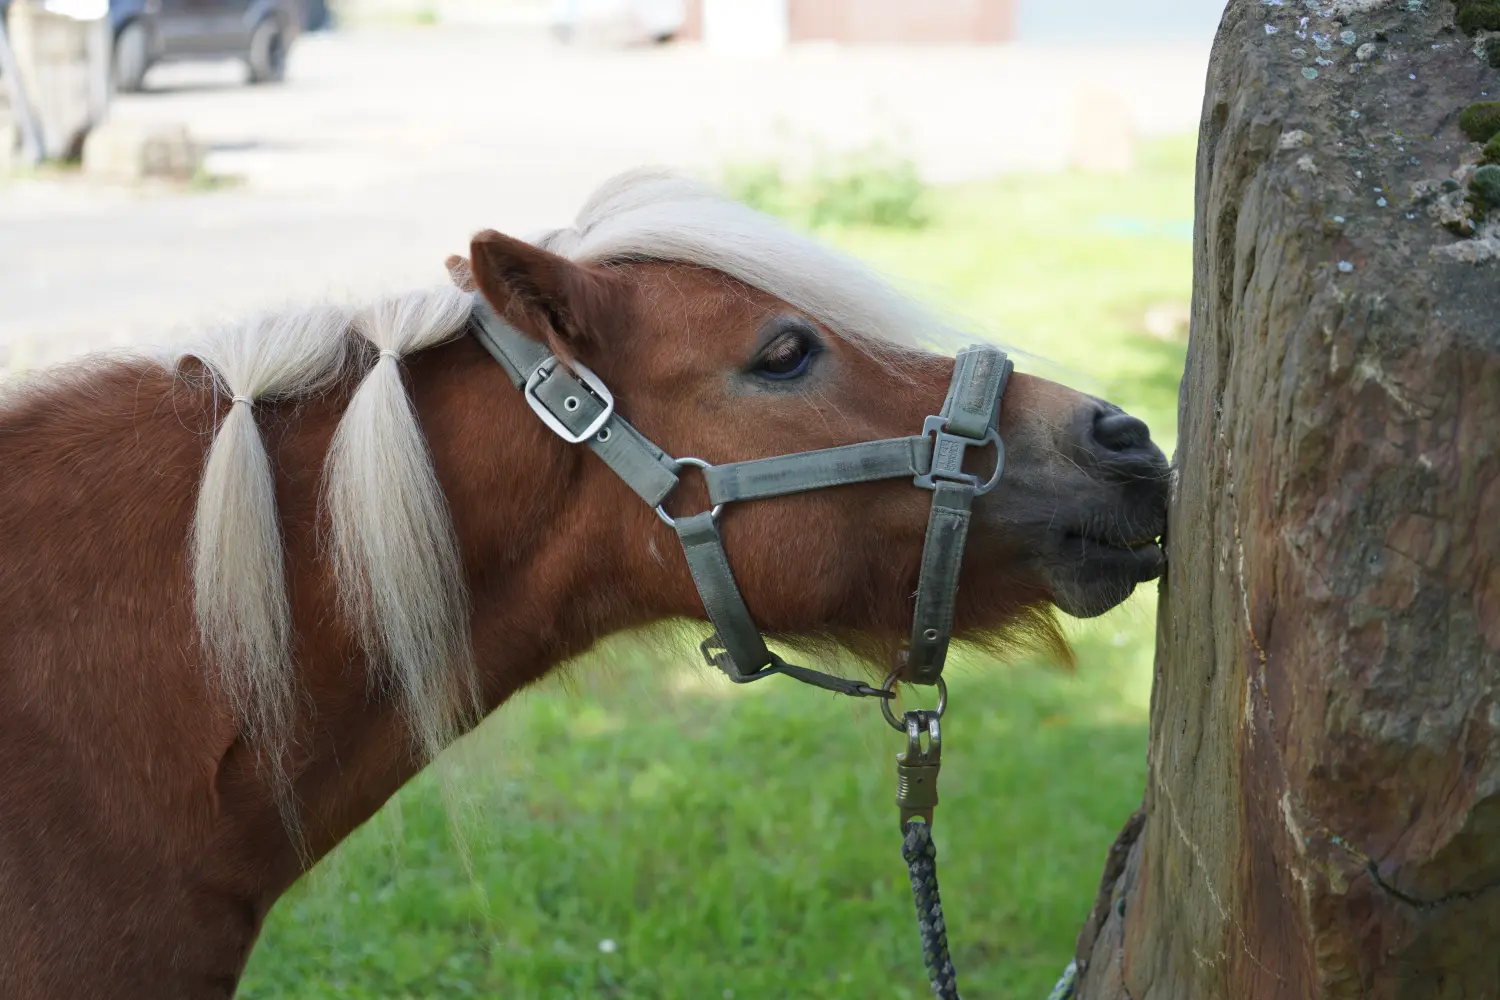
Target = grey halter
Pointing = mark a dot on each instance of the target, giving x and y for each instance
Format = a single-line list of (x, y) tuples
[(576, 405)]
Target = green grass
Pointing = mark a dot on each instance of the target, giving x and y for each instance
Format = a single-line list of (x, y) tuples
[(647, 830), (1064, 266), (869, 187)]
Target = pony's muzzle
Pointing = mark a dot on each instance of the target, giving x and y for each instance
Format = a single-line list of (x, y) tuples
[(1104, 534)]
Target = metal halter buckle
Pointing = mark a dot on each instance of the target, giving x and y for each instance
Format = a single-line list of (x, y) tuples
[(590, 381), (948, 457), (715, 654)]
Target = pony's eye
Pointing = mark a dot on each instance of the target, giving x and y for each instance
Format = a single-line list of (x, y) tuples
[(787, 357)]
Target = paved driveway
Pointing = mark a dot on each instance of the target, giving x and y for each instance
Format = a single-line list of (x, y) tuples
[(387, 149)]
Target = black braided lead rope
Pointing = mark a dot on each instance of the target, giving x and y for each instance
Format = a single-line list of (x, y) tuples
[(921, 862), (1066, 985)]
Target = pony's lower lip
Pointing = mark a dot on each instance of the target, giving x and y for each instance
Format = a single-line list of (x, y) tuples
[(1147, 555), (1089, 577), (1084, 546)]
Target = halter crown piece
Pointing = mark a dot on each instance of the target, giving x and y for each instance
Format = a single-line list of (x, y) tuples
[(576, 405)]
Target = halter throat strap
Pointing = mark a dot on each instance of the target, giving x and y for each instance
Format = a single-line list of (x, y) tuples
[(573, 402)]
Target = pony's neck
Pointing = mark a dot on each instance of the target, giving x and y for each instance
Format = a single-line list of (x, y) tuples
[(540, 528), (116, 732)]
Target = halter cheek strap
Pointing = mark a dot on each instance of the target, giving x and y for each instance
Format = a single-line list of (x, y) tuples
[(576, 405)]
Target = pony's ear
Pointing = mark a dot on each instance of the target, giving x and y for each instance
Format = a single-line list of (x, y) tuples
[(460, 272), (570, 307)]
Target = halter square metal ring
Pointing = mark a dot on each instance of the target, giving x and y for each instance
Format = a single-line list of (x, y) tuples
[(590, 382)]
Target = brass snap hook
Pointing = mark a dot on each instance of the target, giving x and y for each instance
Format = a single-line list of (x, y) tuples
[(917, 768)]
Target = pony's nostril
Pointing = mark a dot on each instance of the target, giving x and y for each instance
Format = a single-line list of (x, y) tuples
[(1114, 431)]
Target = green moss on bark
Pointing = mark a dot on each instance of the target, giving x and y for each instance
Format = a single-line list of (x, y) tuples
[(1486, 186), (1479, 15), (1481, 122)]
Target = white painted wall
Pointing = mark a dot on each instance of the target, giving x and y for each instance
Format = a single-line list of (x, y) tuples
[(745, 27), (1095, 21)]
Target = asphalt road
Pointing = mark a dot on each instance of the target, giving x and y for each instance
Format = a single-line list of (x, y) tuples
[(386, 149)]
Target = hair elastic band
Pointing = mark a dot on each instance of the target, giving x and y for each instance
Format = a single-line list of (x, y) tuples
[(241, 399), (390, 354)]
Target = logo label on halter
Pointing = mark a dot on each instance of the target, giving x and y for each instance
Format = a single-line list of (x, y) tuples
[(948, 459)]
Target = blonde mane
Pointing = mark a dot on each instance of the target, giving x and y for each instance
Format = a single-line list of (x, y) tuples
[(659, 215), (393, 549)]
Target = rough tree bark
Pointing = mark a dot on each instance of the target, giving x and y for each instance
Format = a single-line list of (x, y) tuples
[(1322, 816)]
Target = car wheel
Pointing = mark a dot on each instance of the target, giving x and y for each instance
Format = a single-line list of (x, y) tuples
[(132, 57), (268, 52)]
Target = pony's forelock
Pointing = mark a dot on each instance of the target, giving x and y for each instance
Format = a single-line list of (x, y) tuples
[(653, 214)]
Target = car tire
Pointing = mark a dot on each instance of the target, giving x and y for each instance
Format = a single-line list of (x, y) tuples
[(132, 57), (268, 50)]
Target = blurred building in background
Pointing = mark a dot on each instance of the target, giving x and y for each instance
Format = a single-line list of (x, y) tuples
[(1093, 22), (773, 23), (870, 22)]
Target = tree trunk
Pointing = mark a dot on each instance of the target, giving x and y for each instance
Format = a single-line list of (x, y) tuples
[(1322, 816)]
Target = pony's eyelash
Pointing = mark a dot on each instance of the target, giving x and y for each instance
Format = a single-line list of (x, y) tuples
[(787, 357)]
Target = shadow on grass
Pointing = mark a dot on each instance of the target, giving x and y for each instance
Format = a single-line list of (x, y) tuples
[(671, 836)]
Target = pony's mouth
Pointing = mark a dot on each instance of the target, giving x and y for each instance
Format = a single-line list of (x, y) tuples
[(1090, 574)]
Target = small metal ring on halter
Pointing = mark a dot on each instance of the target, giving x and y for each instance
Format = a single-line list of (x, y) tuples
[(696, 463), (890, 686)]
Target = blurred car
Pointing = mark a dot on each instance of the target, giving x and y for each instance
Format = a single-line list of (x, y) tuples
[(148, 32), (619, 21)]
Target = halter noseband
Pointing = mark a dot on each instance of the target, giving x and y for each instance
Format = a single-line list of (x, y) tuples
[(576, 405)]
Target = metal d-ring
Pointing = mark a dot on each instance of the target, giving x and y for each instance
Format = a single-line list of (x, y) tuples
[(948, 452), (888, 691), (696, 463)]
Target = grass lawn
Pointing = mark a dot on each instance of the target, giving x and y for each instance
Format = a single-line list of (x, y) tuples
[(643, 829)]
